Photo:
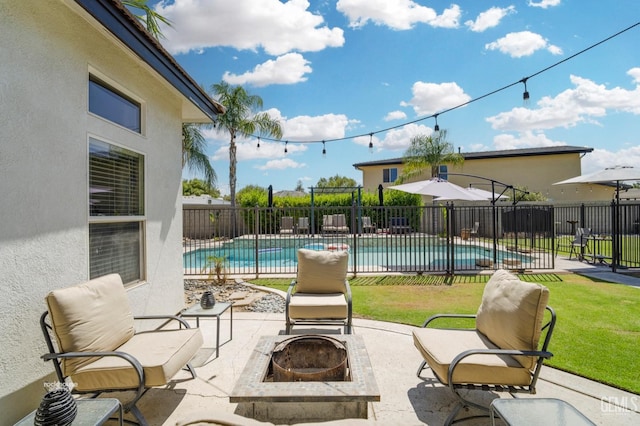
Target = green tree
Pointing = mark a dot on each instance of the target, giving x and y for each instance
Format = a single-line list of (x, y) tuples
[(428, 153), (336, 181), (193, 153), (240, 119), (299, 186), (148, 16), (198, 187), (193, 143)]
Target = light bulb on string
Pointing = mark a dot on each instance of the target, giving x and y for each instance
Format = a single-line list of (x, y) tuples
[(371, 143), (324, 151), (285, 146), (525, 95), (436, 128), (258, 146)]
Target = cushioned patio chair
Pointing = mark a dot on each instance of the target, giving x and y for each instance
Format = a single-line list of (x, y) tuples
[(367, 226), (399, 225), (286, 225), (320, 294), (502, 353), (98, 348), (303, 225)]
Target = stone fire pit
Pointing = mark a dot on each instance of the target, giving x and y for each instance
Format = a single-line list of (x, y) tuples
[(260, 397)]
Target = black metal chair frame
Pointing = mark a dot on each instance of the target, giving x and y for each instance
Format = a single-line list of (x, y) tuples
[(56, 356), (541, 354)]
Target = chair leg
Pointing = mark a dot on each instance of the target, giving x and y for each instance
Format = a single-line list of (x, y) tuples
[(423, 365), (138, 415), (191, 370)]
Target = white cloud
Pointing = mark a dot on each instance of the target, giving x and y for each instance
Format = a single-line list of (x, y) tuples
[(635, 74), (526, 139), (584, 103), (312, 128), (287, 69), (601, 158), (281, 164), (429, 98), (544, 3), (278, 27), (395, 115), (397, 15), (489, 18), (523, 43)]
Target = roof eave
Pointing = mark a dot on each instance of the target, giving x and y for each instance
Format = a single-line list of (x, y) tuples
[(125, 27)]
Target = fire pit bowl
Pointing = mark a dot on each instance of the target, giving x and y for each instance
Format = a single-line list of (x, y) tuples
[(310, 359)]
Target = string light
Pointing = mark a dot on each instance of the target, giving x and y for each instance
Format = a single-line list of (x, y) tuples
[(436, 128), (324, 151), (371, 143), (525, 96), (285, 146), (258, 143)]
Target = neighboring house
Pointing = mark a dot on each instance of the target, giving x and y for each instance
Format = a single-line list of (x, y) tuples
[(90, 156), (535, 168)]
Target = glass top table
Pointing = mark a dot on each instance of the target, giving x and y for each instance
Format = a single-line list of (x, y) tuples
[(197, 312), (537, 411), (90, 412)]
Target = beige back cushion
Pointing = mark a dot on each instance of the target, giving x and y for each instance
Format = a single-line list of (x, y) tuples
[(93, 316), (512, 312), (321, 271)]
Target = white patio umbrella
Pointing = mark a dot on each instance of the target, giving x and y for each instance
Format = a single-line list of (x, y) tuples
[(439, 188), (615, 174), (486, 195)]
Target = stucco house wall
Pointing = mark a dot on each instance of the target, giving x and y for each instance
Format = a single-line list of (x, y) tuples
[(48, 51)]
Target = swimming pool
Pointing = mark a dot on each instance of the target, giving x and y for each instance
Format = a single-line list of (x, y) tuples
[(247, 259)]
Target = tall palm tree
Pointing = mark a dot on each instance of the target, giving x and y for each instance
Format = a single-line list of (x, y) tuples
[(428, 153), (241, 120), (193, 142), (149, 17)]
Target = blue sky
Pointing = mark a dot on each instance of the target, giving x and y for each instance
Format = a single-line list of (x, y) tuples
[(336, 69)]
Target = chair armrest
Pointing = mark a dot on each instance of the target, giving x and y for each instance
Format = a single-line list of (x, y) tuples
[(347, 295), (127, 357), (165, 317), (509, 352), (292, 286), (436, 316)]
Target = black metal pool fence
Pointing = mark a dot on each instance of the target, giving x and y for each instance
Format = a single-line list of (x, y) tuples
[(444, 238)]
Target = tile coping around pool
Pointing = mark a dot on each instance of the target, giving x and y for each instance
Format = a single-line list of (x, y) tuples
[(250, 386)]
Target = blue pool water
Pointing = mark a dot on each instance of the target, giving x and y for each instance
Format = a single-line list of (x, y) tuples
[(244, 259)]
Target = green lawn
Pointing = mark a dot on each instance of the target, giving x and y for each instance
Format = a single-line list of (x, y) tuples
[(597, 333)]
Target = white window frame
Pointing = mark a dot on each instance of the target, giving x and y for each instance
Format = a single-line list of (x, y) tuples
[(121, 91), (140, 219)]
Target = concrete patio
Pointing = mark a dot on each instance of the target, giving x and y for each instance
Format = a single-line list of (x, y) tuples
[(404, 398)]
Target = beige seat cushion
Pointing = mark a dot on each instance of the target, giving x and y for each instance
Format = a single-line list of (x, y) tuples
[(440, 346), (511, 313), (316, 306), (162, 354), (321, 271), (90, 317)]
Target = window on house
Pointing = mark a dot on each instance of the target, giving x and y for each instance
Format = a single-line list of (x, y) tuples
[(389, 175), (113, 105), (116, 205), (443, 172)]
